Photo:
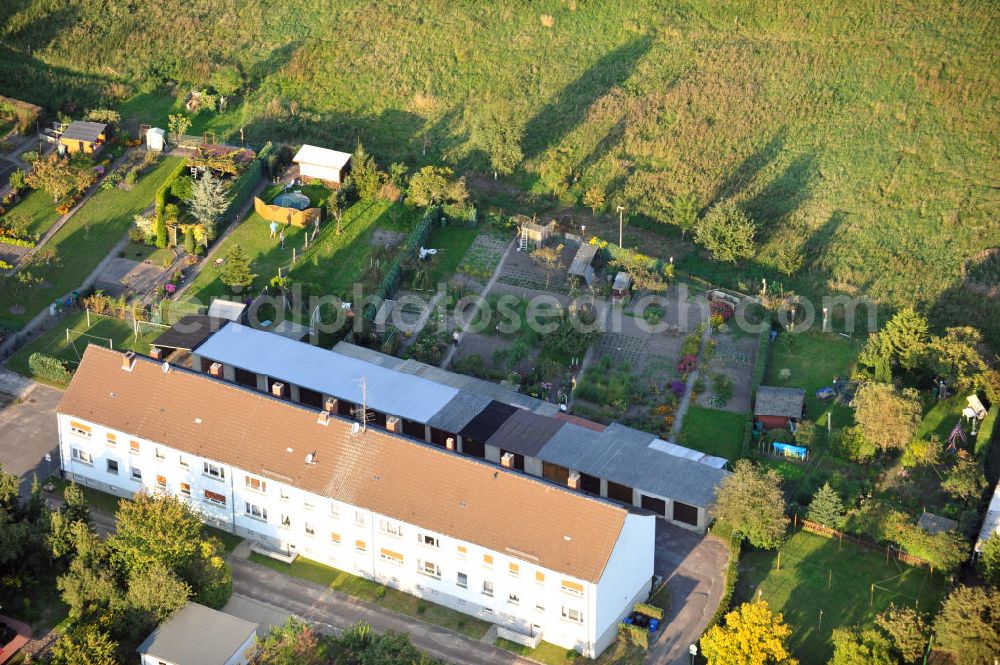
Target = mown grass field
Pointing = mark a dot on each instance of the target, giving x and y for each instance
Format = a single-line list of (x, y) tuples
[(859, 135), (817, 573), (714, 432), (37, 207)]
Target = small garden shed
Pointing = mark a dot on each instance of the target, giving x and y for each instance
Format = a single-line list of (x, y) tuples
[(156, 139), (85, 137), (322, 163), (582, 265), (621, 287), (778, 407)]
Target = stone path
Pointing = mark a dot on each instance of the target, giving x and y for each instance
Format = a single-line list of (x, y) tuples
[(686, 400)]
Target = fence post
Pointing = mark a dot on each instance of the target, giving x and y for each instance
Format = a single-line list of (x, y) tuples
[(871, 603), (829, 579), (88, 317)]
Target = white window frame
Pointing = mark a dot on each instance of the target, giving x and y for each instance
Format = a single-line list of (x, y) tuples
[(82, 456), (209, 467), (568, 614), (488, 588), (255, 512), (135, 474), (429, 541), (429, 569), (261, 484), (391, 528), (81, 432), (117, 466), (214, 502), (460, 583)]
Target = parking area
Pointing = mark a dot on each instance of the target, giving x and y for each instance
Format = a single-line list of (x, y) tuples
[(28, 428)]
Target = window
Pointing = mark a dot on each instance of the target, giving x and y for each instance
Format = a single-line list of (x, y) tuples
[(430, 569), (160, 455), (360, 545), (79, 429), (539, 607), (111, 439), (82, 456), (395, 558), (488, 610), (514, 569), (113, 466), (216, 498), (359, 518), (513, 599), (462, 551), (430, 541), (570, 614), (183, 462), (334, 510), (256, 484), (213, 471), (573, 588), (488, 588), (255, 511), (540, 577), (307, 504), (133, 447), (390, 528), (463, 580), (136, 474), (161, 482), (335, 538), (286, 521), (283, 493), (488, 560), (185, 489), (310, 529)]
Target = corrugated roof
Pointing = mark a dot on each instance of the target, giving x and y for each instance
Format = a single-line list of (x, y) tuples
[(629, 457), (418, 483), (773, 401), (483, 426), (311, 154), (198, 635), (457, 413), (525, 433), (334, 374), (80, 130), (582, 259)]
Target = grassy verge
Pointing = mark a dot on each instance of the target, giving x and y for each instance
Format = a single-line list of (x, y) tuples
[(714, 432), (55, 343), (372, 592), (820, 574), (83, 243), (621, 652)]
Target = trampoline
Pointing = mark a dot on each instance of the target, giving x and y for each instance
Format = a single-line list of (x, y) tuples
[(295, 200)]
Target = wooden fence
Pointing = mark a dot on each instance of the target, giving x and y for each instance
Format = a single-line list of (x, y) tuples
[(273, 213), (889, 549)]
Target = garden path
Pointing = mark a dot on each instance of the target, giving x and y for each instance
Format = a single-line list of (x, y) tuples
[(686, 399)]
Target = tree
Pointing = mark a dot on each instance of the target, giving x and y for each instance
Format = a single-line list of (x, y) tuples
[(727, 232), (58, 177), (684, 212), (294, 643), (751, 501), (593, 198), (209, 199), (336, 203), (752, 635), (827, 508), (955, 356), (155, 529), (549, 259), (905, 336), (989, 561), (365, 174), (499, 135), (643, 271), (106, 116), (235, 271), (887, 417), (853, 646), (435, 185), (965, 480), (153, 595), (908, 630), (226, 80), (968, 625), (85, 646), (178, 123), (17, 181)]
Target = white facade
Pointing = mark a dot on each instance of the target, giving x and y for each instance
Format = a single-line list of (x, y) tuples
[(322, 163), (502, 587)]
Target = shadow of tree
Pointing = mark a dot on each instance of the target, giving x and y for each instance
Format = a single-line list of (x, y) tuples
[(748, 169), (783, 195)]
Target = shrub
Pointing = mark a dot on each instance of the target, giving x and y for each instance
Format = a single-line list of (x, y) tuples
[(635, 634), (48, 368)]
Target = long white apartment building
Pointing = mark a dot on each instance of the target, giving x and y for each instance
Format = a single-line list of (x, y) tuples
[(522, 552)]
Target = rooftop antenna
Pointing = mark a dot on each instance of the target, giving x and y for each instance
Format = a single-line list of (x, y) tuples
[(364, 403)]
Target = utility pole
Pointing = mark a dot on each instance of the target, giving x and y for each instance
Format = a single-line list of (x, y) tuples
[(620, 225)]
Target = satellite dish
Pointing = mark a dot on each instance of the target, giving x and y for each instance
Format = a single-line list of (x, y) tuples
[(310, 457), (355, 428), (165, 367)]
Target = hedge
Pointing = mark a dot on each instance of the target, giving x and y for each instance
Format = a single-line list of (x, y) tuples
[(17, 242), (759, 368), (649, 610), (732, 574), (638, 636), (245, 184), (417, 238), (48, 368), (164, 189)]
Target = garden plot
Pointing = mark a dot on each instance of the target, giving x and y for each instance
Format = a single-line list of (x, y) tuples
[(521, 270), (727, 372), (483, 257)]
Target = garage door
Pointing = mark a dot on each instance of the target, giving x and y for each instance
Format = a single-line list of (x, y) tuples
[(685, 513), (658, 506)]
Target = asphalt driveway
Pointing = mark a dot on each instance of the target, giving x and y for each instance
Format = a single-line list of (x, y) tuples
[(28, 428)]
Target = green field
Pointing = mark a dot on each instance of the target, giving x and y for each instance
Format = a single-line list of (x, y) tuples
[(714, 432), (82, 243), (451, 242), (858, 134), (817, 573), (39, 209), (116, 333)]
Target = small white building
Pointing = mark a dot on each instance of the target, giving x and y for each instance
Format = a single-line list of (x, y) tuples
[(199, 635), (322, 163), (156, 139)]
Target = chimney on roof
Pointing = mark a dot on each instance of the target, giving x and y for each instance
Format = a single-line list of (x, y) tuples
[(394, 424), (215, 369), (156, 353), (449, 443), (324, 418), (279, 389), (573, 482), (331, 405), (128, 361), (507, 460)]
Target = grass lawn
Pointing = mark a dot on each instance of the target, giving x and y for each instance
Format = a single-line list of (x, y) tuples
[(153, 108), (54, 342), (83, 242), (813, 359), (940, 417), (809, 565), (451, 242), (714, 432), (38, 207), (137, 252), (373, 592), (621, 652)]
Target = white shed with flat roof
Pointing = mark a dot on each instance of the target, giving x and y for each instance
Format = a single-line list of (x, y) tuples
[(322, 163)]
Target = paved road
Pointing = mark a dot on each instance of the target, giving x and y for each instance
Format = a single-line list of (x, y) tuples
[(695, 568), (27, 427)]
